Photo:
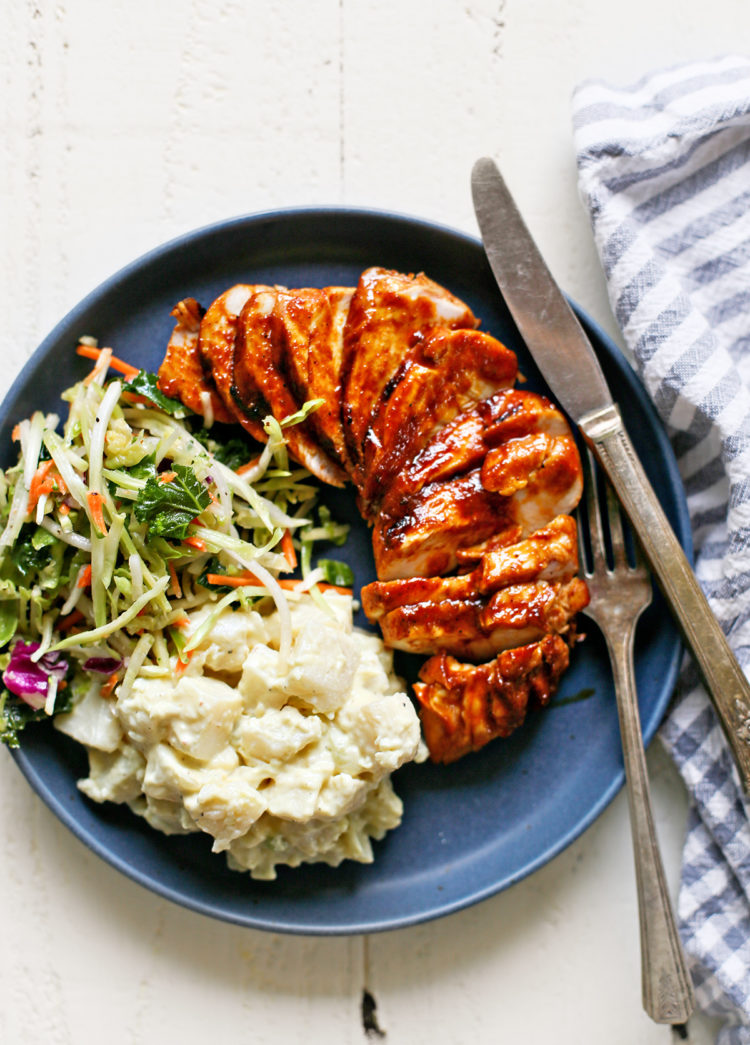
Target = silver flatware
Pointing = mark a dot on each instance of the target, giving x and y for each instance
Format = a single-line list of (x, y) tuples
[(569, 364), (620, 590)]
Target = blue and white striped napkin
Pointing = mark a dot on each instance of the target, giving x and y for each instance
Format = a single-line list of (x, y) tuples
[(664, 169)]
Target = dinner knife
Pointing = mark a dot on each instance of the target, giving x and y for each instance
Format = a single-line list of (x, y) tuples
[(569, 365)]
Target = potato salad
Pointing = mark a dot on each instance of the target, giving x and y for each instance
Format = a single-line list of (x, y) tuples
[(278, 763), (162, 600)]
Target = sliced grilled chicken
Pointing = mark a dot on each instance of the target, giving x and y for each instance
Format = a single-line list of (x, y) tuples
[(477, 628), (445, 375), (324, 376), (182, 375), (549, 554), (464, 706), (216, 342), (301, 316), (457, 470), (389, 315), (541, 473), (322, 379), (424, 538), (273, 329), (426, 534), (463, 443)]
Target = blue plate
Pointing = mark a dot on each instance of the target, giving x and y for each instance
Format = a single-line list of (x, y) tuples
[(470, 829)]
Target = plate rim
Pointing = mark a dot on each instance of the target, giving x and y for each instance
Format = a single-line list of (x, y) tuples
[(254, 918)]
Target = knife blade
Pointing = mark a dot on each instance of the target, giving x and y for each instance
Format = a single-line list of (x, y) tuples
[(569, 365)]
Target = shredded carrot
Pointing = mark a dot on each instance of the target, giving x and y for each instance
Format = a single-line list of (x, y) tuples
[(242, 580), (181, 622), (46, 479), (40, 484), (69, 621), (237, 581), (287, 548), (183, 663), (167, 477), (84, 581), (247, 467), (174, 581), (195, 542), (174, 585), (96, 512), (16, 433), (107, 687), (89, 352), (63, 509)]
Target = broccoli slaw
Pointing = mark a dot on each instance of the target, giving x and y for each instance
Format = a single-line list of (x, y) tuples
[(126, 519)]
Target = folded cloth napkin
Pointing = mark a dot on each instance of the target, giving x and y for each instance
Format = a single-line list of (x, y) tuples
[(664, 169)]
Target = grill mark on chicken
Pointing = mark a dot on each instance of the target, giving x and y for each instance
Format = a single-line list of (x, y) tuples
[(422, 539)]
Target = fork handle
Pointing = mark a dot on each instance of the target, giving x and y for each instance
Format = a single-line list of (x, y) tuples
[(666, 987), (725, 682)]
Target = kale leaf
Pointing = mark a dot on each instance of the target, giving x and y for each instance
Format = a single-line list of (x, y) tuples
[(146, 384), (30, 555), (169, 508), (15, 714)]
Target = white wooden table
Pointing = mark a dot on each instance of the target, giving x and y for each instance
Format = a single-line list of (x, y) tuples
[(128, 122)]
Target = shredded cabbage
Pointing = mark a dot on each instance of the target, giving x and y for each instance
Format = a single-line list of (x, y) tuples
[(110, 527)]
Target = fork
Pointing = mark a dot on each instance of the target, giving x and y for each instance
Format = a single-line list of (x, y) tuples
[(619, 594)]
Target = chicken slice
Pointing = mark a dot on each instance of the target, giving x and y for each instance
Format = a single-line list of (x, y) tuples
[(464, 706), (477, 628), (390, 313), (216, 341), (271, 331), (430, 532), (182, 375), (301, 316), (443, 517), (446, 374), (324, 363), (541, 473), (549, 554), (463, 443)]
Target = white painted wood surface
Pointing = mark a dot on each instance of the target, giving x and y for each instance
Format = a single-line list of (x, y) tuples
[(126, 123)]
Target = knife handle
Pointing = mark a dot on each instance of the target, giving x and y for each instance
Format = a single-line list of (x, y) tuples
[(725, 681)]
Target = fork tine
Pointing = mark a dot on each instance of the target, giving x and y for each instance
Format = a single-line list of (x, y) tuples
[(596, 532), (616, 533)]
